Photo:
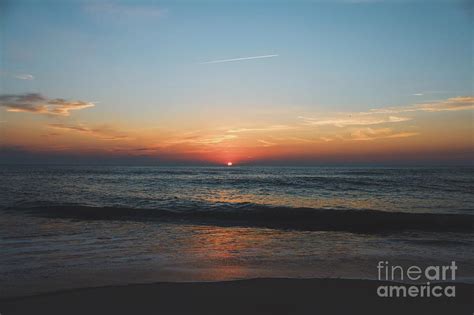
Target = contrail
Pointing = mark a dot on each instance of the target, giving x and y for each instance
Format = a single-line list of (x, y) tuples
[(238, 59)]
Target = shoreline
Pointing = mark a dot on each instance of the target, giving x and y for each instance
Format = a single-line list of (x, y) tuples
[(250, 296)]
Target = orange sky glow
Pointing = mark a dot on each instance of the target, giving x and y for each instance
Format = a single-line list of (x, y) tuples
[(440, 129)]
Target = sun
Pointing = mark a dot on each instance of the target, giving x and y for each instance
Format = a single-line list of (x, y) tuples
[(229, 163)]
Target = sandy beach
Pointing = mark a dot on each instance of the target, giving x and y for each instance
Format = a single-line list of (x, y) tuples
[(255, 296)]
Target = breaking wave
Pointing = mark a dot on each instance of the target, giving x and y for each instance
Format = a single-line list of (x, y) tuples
[(254, 215)]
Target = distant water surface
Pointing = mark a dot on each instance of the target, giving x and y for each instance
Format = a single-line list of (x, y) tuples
[(434, 190)]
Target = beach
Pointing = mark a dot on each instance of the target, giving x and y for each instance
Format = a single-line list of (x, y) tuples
[(254, 296)]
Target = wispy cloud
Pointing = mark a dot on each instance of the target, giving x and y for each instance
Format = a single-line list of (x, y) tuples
[(326, 139), (38, 104), (214, 139), (266, 143), (433, 92), (19, 76), (450, 104), (147, 149), (368, 134), (51, 134), (24, 76), (238, 59), (199, 139), (293, 139), (352, 120), (103, 133), (268, 128), (390, 114)]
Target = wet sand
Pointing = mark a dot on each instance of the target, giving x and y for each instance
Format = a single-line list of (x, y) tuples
[(255, 296)]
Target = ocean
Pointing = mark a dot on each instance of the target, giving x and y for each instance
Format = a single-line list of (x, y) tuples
[(78, 226)]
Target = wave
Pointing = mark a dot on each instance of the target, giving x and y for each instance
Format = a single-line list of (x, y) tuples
[(253, 215)]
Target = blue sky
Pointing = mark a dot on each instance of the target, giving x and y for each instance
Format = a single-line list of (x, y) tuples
[(334, 54)]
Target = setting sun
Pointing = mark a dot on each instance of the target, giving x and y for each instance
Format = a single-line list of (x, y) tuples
[(229, 163)]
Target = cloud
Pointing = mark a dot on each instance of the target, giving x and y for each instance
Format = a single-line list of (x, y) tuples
[(266, 143), (367, 134), (450, 104), (238, 59), (147, 149), (215, 139), (19, 76), (326, 139), (433, 92), (389, 114), (39, 104), (269, 128), (24, 76), (199, 140), (102, 133), (51, 134), (352, 120), (295, 139)]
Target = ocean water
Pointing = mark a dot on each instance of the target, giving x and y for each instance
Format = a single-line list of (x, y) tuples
[(78, 226)]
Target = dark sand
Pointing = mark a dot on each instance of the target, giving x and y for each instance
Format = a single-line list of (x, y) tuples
[(258, 296)]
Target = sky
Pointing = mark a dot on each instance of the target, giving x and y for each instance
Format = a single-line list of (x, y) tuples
[(248, 82)]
